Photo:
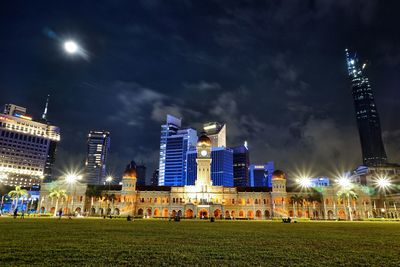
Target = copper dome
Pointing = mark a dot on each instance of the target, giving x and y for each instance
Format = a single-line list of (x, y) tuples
[(278, 174), (130, 170), (204, 140)]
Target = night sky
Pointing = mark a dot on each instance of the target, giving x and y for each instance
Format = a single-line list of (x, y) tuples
[(274, 71)]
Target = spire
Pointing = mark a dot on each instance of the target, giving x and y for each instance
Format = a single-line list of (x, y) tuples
[(44, 116)]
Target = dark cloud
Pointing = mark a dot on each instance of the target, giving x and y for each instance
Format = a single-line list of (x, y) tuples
[(274, 71)]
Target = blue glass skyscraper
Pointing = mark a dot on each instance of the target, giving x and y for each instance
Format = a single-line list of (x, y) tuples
[(174, 145), (221, 166), (260, 175)]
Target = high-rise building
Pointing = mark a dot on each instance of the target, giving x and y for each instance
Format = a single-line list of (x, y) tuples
[(241, 162), (141, 174), (154, 178), (260, 175), (174, 144), (216, 132), (369, 128), (27, 147), (98, 146), (221, 166)]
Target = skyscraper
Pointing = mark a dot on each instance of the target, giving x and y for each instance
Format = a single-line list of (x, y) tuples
[(174, 144), (141, 174), (369, 128), (241, 162), (216, 132), (98, 146), (27, 147), (260, 175), (221, 166), (154, 177)]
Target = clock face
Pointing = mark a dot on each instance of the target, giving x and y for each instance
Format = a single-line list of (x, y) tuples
[(203, 153)]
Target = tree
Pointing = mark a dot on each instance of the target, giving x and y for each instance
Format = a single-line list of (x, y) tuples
[(17, 193), (93, 192), (296, 200), (57, 193), (349, 194)]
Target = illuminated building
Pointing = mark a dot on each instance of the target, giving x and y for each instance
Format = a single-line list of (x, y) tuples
[(27, 147), (175, 142), (221, 166), (204, 199), (261, 175), (216, 132), (98, 146), (241, 162), (369, 128), (154, 178)]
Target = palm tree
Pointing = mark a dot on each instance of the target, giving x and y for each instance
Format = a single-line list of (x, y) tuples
[(296, 199), (17, 193), (57, 193), (93, 192), (347, 193)]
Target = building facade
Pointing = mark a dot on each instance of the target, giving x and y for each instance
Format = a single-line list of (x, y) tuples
[(98, 146), (27, 147), (369, 126), (216, 132), (204, 199), (261, 175), (175, 143), (241, 163)]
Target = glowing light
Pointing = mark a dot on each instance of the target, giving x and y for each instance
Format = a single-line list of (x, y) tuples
[(344, 182), (352, 62), (304, 182), (109, 179), (72, 178), (383, 182), (71, 47)]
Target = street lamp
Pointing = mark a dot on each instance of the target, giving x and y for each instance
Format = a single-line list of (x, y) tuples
[(71, 179), (383, 183), (109, 180), (345, 190), (304, 182)]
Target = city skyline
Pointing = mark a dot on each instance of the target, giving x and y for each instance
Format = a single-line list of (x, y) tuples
[(294, 96)]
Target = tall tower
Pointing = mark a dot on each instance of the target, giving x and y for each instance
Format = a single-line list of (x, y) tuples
[(175, 142), (216, 132), (369, 128), (203, 161), (98, 146)]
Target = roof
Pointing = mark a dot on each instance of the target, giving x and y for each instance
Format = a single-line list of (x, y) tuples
[(153, 188), (254, 189)]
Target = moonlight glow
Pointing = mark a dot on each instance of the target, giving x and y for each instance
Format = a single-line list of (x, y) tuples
[(71, 47)]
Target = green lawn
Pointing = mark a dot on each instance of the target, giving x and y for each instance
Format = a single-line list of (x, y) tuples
[(151, 242)]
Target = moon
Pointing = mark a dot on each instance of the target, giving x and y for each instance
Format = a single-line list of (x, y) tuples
[(71, 47)]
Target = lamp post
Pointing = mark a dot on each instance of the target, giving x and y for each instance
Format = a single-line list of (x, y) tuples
[(345, 187), (383, 183), (109, 180), (71, 179)]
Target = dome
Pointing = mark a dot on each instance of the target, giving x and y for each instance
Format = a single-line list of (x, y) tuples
[(278, 174), (204, 140), (130, 171)]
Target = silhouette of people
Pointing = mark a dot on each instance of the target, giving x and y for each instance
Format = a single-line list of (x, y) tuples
[(22, 214), (15, 213), (59, 214)]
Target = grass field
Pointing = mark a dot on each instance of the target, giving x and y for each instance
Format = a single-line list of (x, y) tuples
[(151, 242)]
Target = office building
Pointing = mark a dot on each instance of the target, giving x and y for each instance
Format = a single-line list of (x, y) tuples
[(27, 147), (175, 142), (369, 127), (221, 166), (154, 178), (260, 175), (216, 132), (241, 162), (98, 146), (141, 174)]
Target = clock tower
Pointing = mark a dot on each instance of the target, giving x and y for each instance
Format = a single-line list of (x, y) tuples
[(203, 162)]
